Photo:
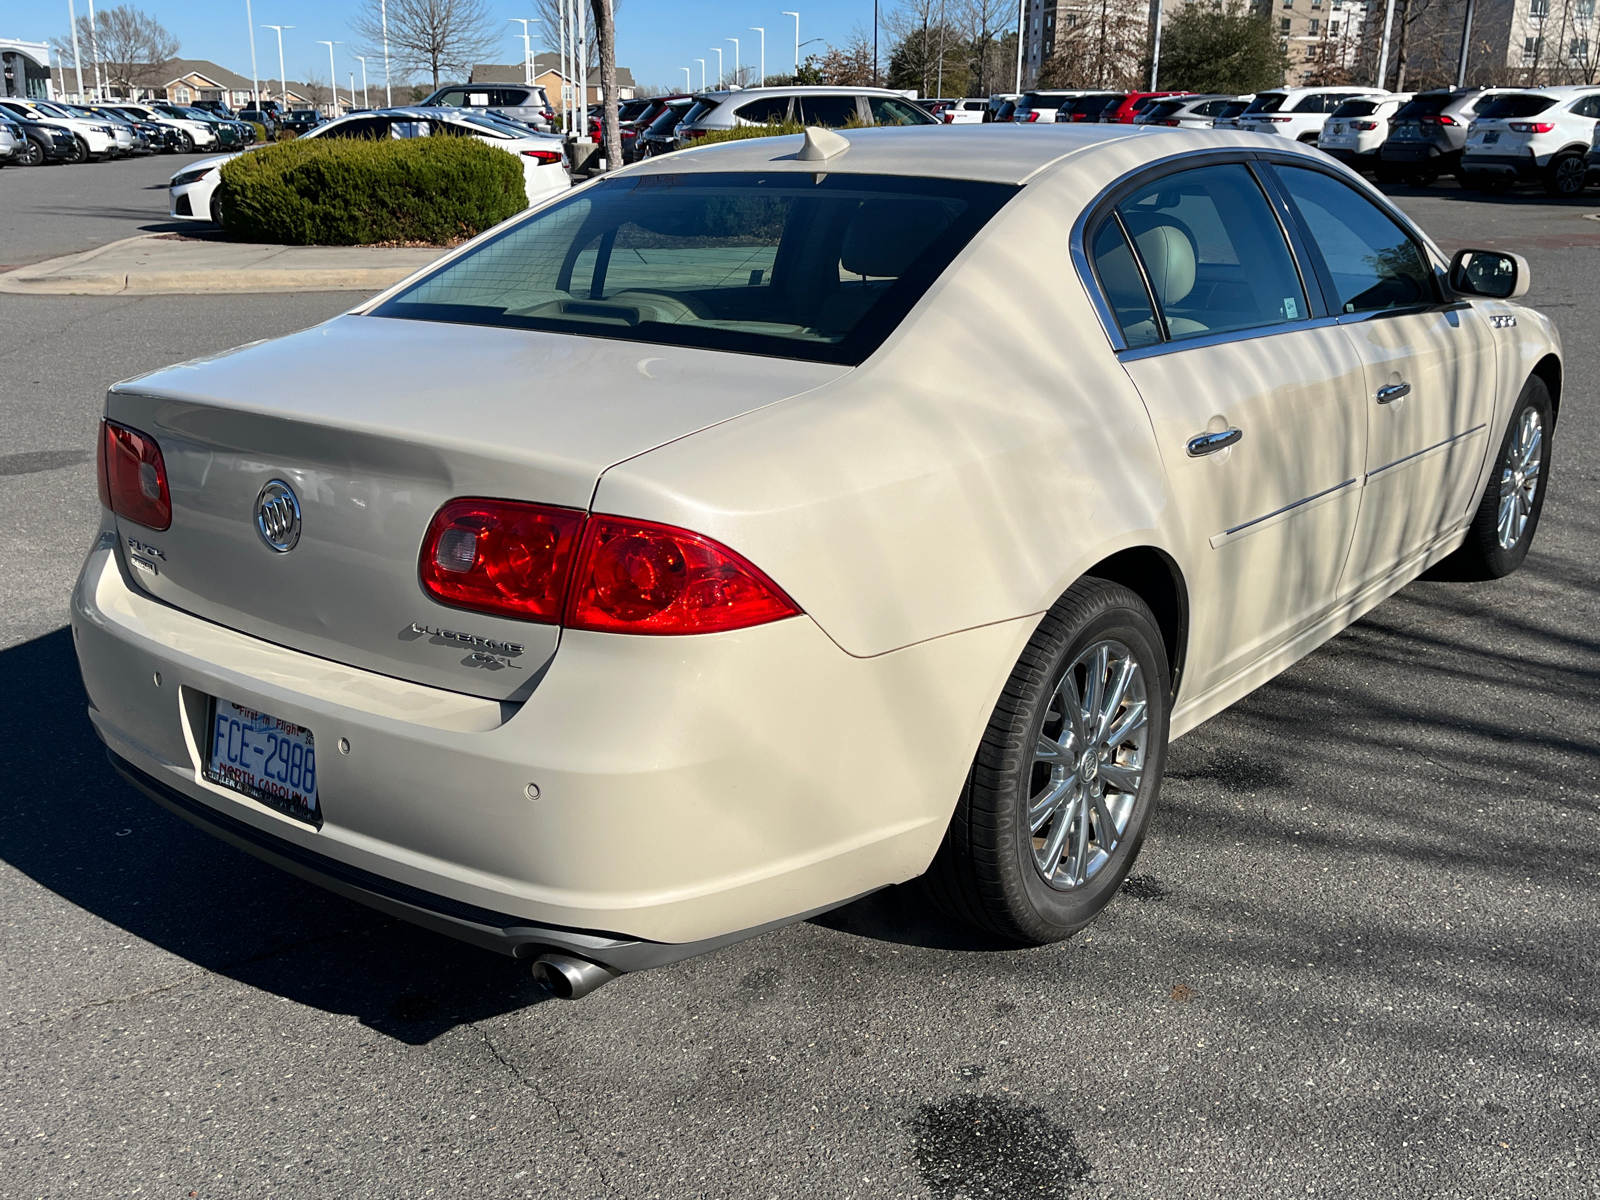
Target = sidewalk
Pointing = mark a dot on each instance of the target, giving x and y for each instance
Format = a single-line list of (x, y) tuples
[(165, 264)]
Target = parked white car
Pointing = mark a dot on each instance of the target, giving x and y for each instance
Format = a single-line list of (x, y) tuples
[(1357, 129), (191, 192), (11, 139), (1536, 136), (708, 548), (201, 135), (95, 138), (1298, 113), (966, 112), (1228, 118)]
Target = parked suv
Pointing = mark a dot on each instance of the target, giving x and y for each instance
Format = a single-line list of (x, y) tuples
[(1228, 118), (194, 132), (94, 137), (1041, 107), (974, 111), (41, 142), (1535, 137), (1130, 104), (660, 136), (1356, 130), (525, 103), (1185, 112), (1087, 107), (830, 107), (1298, 113), (1427, 135)]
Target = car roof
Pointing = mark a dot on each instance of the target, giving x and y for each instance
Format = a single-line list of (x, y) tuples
[(807, 89), (994, 154)]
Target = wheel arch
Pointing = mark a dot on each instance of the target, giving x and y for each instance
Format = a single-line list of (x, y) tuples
[(1548, 369), (1156, 579)]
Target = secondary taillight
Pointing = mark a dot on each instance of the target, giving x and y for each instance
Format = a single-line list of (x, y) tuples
[(501, 556), (545, 157), (640, 577), (949, 118), (1531, 126), (1364, 126), (133, 477), (1173, 124), (694, 133), (1025, 118)]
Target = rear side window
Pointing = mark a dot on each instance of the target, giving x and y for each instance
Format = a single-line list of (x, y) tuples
[(1270, 102), (768, 108), (787, 264), (1502, 107), (830, 112), (1589, 106), (371, 129), (1213, 253), (1373, 262), (886, 110), (667, 120), (1166, 108), (1233, 109), (454, 97)]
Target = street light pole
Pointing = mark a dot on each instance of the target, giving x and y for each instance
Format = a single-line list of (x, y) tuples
[(333, 80), (1383, 47), (720, 76), (688, 80), (736, 84), (283, 80), (527, 52), (702, 63), (761, 77), (255, 81), (388, 92), (362, 59), (77, 59), (94, 54), (1155, 50), (796, 17)]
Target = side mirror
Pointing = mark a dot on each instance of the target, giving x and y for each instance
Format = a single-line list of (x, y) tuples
[(1492, 273)]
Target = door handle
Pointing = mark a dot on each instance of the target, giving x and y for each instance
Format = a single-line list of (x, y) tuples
[(1387, 395), (1210, 443)]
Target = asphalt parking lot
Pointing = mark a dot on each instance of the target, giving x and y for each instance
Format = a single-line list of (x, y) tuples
[(1358, 954)]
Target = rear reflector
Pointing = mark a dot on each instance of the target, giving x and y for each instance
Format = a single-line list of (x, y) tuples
[(501, 557), (133, 477), (640, 577)]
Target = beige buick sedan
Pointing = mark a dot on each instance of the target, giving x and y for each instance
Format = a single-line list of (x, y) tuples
[(769, 523)]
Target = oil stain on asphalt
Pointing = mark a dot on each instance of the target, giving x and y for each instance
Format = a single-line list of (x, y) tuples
[(972, 1147)]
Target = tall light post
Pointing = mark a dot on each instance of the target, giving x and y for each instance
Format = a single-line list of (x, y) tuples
[(527, 51), (362, 59), (255, 80), (688, 80), (702, 63), (283, 80), (77, 59), (383, 15), (720, 75), (796, 17), (333, 79), (94, 54), (736, 84), (1155, 50), (761, 78)]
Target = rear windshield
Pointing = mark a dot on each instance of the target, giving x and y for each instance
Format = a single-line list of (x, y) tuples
[(1515, 106), (1425, 106), (818, 267), (668, 119), (701, 107), (1042, 100), (1268, 102), (1164, 108), (1093, 104), (1356, 108)]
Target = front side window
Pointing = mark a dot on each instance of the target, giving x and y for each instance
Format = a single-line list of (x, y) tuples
[(1373, 262), (372, 129), (1213, 253), (787, 264), (886, 110)]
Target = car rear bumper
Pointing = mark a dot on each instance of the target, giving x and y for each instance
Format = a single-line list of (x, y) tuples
[(1521, 166), (668, 790), (1412, 153), (1350, 158)]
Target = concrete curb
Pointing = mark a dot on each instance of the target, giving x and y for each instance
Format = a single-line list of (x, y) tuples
[(159, 264)]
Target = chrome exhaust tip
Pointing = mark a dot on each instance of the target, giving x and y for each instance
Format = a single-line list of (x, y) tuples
[(568, 978)]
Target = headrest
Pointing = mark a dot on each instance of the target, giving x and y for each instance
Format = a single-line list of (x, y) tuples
[(1167, 247), (886, 236)]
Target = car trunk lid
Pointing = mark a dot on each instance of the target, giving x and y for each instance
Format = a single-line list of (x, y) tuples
[(373, 423)]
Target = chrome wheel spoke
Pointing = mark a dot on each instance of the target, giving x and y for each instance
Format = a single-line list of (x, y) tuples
[(1113, 702), (1106, 833), (1047, 805), (1072, 705), (1123, 778), (1093, 693), (1050, 856), (1080, 846), (1132, 722), (1048, 750)]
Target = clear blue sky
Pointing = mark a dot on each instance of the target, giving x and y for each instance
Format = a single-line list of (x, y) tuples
[(655, 39)]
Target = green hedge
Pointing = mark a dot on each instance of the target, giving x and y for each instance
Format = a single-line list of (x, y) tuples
[(339, 192), (740, 132)]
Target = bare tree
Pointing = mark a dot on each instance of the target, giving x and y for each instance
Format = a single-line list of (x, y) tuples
[(991, 33), (549, 14), (1099, 44), (133, 46), (436, 36)]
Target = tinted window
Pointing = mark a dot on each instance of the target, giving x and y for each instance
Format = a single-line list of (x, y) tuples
[(1005, 111), (768, 108), (511, 97), (700, 109), (1589, 106), (1123, 286), (1356, 108), (1425, 106), (667, 120), (783, 264), (1269, 102), (1502, 107), (1091, 105), (1166, 108), (1213, 108), (372, 129), (1213, 252), (1373, 262), (886, 110), (1232, 110), (831, 112)]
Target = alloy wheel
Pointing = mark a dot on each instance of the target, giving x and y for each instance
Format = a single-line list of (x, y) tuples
[(1519, 478), (1088, 763), (30, 153), (1571, 175)]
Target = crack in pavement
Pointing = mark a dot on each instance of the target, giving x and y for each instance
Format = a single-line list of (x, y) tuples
[(532, 1086)]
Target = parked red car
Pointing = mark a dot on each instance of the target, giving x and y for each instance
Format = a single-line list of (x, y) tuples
[(1131, 106)]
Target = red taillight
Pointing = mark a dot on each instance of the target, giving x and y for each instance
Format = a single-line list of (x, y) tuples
[(501, 556), (133, 477), (1446, 119), (694, 133), (1174, 124), (1276, 120), (545, 157), (640, 577), (949, 118), (1364, 126), (1026, 118), (1531, 127)]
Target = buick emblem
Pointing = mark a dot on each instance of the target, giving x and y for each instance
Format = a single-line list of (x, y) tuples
[(278, 516)]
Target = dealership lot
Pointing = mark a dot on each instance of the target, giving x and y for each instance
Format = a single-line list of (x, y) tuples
[(1357, 953)]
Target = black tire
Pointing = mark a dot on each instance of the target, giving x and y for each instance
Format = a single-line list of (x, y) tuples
[(30, 153), (1386, 174), (987, 872), (1482, 556), (216, 210), (80, 151), (1422, 179), (1566, 176), (185, 142)]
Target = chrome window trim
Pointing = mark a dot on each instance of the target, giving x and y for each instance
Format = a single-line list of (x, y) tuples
[(1225, 337)]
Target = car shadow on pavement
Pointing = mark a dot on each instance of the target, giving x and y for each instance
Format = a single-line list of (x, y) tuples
[(74, 827)]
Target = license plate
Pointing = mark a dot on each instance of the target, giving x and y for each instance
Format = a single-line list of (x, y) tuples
[(265, 758), (1408, 133), (1338, 129), (1491, 137)]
